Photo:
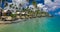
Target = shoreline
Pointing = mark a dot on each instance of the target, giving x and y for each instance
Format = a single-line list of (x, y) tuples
[(17, 21), (11, 22), (9, 17)]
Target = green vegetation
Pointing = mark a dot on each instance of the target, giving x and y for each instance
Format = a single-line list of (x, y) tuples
[(27, 13), (34, 3), (13, 15)]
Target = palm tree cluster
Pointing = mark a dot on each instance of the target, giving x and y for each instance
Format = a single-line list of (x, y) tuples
[(23, 11), (14, 7)]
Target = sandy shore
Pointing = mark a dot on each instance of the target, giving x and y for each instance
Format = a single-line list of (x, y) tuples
[(10, 22)]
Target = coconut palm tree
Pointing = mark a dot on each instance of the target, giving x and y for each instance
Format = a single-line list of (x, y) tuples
[(6, 4), (11, 5), (34, 3)]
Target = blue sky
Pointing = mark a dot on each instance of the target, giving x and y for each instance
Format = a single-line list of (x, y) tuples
[(53, 6)]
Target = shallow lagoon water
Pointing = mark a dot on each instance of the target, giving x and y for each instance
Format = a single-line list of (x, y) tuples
[(43, 24)]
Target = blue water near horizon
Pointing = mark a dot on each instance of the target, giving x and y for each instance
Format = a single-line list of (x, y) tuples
[(43, 24)]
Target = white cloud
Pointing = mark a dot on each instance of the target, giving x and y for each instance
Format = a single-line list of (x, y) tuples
[(40, 5), (58, 13), (17, 2), (31, 6), (52, 5), (45, 9), (20, 1), (47, 1)]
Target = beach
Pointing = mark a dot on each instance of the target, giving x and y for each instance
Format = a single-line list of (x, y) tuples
[(43, 24)]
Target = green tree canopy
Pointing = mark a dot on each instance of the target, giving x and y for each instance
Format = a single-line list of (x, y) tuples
[(34, 3)]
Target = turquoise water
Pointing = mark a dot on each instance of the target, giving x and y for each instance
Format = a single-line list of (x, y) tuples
[(44, 24)]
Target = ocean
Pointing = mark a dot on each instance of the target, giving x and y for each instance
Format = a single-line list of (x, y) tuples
[(43, 24)]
